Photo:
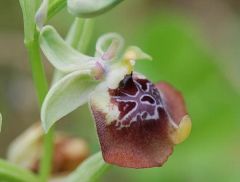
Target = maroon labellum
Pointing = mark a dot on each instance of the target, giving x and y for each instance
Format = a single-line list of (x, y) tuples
[(137, 100), (138, 123)]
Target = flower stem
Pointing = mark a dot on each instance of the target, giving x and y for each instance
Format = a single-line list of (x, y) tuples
[(39, 78), (40, 82), (46, 162)]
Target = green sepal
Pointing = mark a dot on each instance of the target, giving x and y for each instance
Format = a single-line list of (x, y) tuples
[(66, 95)]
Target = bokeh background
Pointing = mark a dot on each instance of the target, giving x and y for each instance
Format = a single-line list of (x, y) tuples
[(196, 47)]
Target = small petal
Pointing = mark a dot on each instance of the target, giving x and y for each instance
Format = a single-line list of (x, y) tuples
[(60, 54), (90, 8), (109, 46), (132, 123), (65, 96), (135, 53)]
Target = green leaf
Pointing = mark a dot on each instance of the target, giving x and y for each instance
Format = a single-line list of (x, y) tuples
[(90, 170), (66, 95), (28, 10), (60, 54), (12, 173), (90, 8)]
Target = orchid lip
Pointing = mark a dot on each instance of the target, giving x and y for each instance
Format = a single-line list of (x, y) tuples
[(142, 131)]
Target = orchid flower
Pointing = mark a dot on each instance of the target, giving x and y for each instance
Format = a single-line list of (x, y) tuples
[(138, 122)]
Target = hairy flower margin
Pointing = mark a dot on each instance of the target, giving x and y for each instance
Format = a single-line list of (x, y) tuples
[(137, 122)]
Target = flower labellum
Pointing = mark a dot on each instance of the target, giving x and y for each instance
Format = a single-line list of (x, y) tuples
[(138, 123)]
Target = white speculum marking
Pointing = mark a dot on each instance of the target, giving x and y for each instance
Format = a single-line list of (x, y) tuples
[(137, 100)]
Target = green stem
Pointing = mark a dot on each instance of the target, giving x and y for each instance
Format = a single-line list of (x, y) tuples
[(40, 83), (46, 162), (38, 73), (29, 8)]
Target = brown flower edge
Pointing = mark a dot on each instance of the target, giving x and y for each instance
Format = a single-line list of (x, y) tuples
[(139, 123)]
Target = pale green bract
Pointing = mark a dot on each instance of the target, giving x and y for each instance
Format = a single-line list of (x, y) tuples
[(90, 8), (90, 170)]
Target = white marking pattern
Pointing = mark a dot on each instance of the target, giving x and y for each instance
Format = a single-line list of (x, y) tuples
[(143, 110)]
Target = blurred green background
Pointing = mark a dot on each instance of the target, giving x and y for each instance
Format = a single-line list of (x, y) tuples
[(196, 47)]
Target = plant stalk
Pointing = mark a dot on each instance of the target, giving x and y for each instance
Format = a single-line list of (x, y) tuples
[(40, 82)]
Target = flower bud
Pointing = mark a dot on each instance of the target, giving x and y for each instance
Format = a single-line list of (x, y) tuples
[(90, 8), (26, 150)]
